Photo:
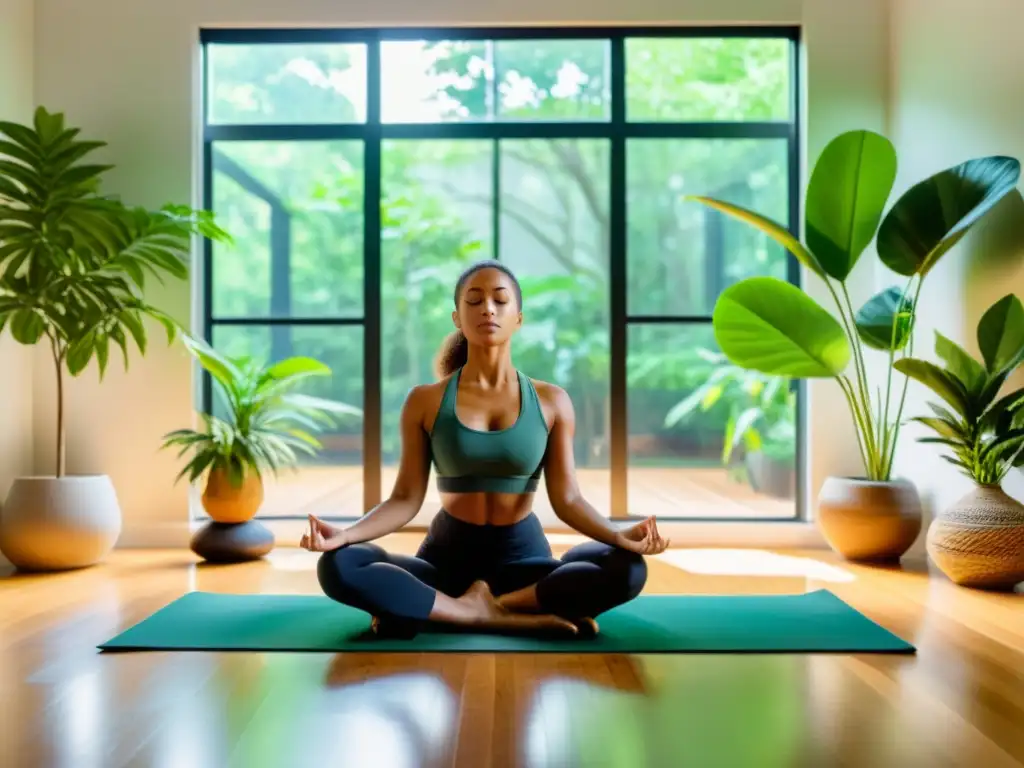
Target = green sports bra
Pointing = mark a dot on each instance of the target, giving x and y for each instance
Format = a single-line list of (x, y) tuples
[(497, 461)]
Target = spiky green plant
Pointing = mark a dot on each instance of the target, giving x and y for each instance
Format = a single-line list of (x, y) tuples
[(985, 435), (267, 423)]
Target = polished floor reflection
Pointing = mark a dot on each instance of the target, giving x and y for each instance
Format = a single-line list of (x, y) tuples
[(959, 701)]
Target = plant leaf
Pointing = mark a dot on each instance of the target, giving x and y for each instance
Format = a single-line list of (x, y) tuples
[(961, 366), (846, 196), (933, 215), (771, 228), (1001, 334), (876, 320), (938, 381), (768, 325)]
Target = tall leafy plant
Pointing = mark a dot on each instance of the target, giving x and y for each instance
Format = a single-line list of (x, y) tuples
[(74, 263), (772, 326), (984, 435)]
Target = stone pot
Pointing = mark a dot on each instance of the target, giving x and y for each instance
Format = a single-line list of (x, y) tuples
[(770, 476), (979, 540), (59, 523), (869, 520), (225, 503)]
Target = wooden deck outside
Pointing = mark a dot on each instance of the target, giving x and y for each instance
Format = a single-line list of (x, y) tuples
[(669, 492)]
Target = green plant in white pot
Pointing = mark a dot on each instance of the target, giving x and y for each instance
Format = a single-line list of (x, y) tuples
[(978, 541), (73, 270), (772, 326)]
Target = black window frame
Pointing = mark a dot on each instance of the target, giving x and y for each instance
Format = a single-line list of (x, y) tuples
[(617, 130)]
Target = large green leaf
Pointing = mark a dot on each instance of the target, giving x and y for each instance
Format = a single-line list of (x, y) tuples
[(27, 326), (938, 381), (933, 215), (768, 325), (846, 197), (959, 364), (1001, 334), (771, 228), (886, 320)]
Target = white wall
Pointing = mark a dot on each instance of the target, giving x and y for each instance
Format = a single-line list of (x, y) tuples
[(125, 71), (16, 66), (957, 82)]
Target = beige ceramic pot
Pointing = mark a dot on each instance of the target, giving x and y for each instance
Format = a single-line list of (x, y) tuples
[(225, 503), (979, 540), (59, 523), (869, 520)]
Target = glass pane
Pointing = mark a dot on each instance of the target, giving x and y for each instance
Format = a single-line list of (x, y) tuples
[(287, 83), (683, 254), (436, 81), (710, 78), (554, 235), (295, 211), (332, 482), (684, 401), (553, 79), (436, 218)]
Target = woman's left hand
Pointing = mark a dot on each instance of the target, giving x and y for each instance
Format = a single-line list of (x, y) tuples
[(643, 538)]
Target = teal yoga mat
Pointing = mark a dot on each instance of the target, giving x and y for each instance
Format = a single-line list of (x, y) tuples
[(815, 622)]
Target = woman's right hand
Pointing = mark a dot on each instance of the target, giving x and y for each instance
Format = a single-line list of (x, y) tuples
[(322, 537)]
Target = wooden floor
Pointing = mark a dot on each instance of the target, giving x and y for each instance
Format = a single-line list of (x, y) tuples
[(686, 492), (958, 702)]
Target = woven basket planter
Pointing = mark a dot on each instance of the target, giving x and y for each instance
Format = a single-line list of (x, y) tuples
[(979, 541)]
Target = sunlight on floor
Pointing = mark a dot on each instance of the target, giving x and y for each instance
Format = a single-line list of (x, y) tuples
[(751, 562)]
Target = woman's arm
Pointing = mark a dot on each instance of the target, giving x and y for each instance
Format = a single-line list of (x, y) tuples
[(411, 484), (564, 491)]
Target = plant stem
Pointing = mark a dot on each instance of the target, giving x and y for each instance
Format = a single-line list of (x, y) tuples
[(868, 449), (906, 380), (884, 416), (855, 412), (858, 351), (58, 361)]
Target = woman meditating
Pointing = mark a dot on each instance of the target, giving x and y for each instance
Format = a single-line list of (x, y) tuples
[(485, 562)]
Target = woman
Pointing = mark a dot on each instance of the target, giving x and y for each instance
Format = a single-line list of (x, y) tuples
[(485, 562)]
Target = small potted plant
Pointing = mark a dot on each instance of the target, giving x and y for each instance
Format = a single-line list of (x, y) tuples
[(267, 425), (769, 325), (979, 540)]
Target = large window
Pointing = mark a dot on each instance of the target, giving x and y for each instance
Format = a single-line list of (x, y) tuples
[(360, 171)]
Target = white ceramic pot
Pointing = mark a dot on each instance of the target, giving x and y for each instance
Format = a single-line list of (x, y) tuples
[(53, 524)]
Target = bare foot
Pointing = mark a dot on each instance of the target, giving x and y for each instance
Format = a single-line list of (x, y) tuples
[(587, 627), (488, 613)]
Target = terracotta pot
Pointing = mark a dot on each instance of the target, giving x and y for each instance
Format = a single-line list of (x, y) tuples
[(979, 540), (59, 523), (225, 503), (869, 520)]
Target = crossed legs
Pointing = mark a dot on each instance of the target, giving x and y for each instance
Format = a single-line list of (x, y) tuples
[(589, 580)]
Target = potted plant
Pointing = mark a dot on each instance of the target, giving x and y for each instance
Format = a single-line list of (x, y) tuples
[(761, 419), (267, 424), (979, 540), (772, 326), (73, 271)]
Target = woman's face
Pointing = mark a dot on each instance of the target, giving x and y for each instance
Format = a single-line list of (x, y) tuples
[(488, 313)]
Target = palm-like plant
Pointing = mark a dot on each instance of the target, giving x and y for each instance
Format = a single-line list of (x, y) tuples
[(985, 435), (74, 263), (267, 424)]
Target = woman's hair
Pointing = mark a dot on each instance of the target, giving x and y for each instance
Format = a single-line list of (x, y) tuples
[(454, 351)]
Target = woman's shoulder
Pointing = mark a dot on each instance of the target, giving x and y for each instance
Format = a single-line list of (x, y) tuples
[(425, 399), (552, 396)]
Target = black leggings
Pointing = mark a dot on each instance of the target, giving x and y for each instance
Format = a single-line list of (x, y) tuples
[(588, 580)]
